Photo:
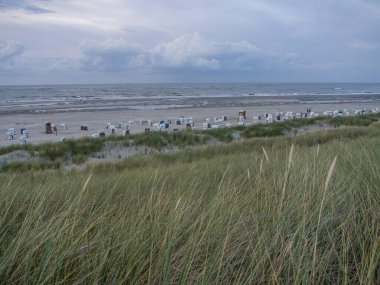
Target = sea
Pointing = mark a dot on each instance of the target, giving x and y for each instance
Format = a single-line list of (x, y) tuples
[(49, 96)]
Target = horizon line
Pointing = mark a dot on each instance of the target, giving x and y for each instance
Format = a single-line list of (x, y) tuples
[(192, 83)]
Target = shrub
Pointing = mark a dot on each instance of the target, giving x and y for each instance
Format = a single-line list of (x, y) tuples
[(222, 134), (79, 158), (261, 130), (151, 139), (54, 150), (351, 121)]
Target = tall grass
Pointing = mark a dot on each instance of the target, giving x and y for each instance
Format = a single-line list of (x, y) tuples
[(283, 213)]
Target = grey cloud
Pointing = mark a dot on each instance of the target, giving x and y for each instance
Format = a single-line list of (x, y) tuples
[(111, 55), (29, 6), (8, 4), (363, 46), (256, 40), (9, 52), (14, 61), (189, 51)]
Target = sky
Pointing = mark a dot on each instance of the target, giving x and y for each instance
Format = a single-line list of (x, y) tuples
[(141, 41)]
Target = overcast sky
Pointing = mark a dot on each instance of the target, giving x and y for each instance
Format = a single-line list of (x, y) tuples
[(121, 41)]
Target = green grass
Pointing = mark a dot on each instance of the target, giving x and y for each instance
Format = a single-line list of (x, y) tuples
[(270, 130), (352, 121), (151, 139), (79, 150), (212, 151), (30, 165), (161, 139), (79, 158), (58, 150), (14, 147), (260, 211), (221, 134)]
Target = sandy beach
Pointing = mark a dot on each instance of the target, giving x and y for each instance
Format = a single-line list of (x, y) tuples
[(96, 114)]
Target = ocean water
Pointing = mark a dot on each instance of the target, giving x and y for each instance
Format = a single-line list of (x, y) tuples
[(67, 92), (70, 95)]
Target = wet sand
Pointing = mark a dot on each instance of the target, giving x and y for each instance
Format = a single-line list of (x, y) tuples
[(98, 113)]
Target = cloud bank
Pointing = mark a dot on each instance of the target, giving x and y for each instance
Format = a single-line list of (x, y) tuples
[(189, 51), (55, 41)]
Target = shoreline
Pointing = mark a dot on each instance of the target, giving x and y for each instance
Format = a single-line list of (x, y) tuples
[(97, 119)]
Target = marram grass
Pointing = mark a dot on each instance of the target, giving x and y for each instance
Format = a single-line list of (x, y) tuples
[(290, 214)]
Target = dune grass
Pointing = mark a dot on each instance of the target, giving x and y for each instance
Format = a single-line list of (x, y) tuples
[(79, 150), (271, 210)]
